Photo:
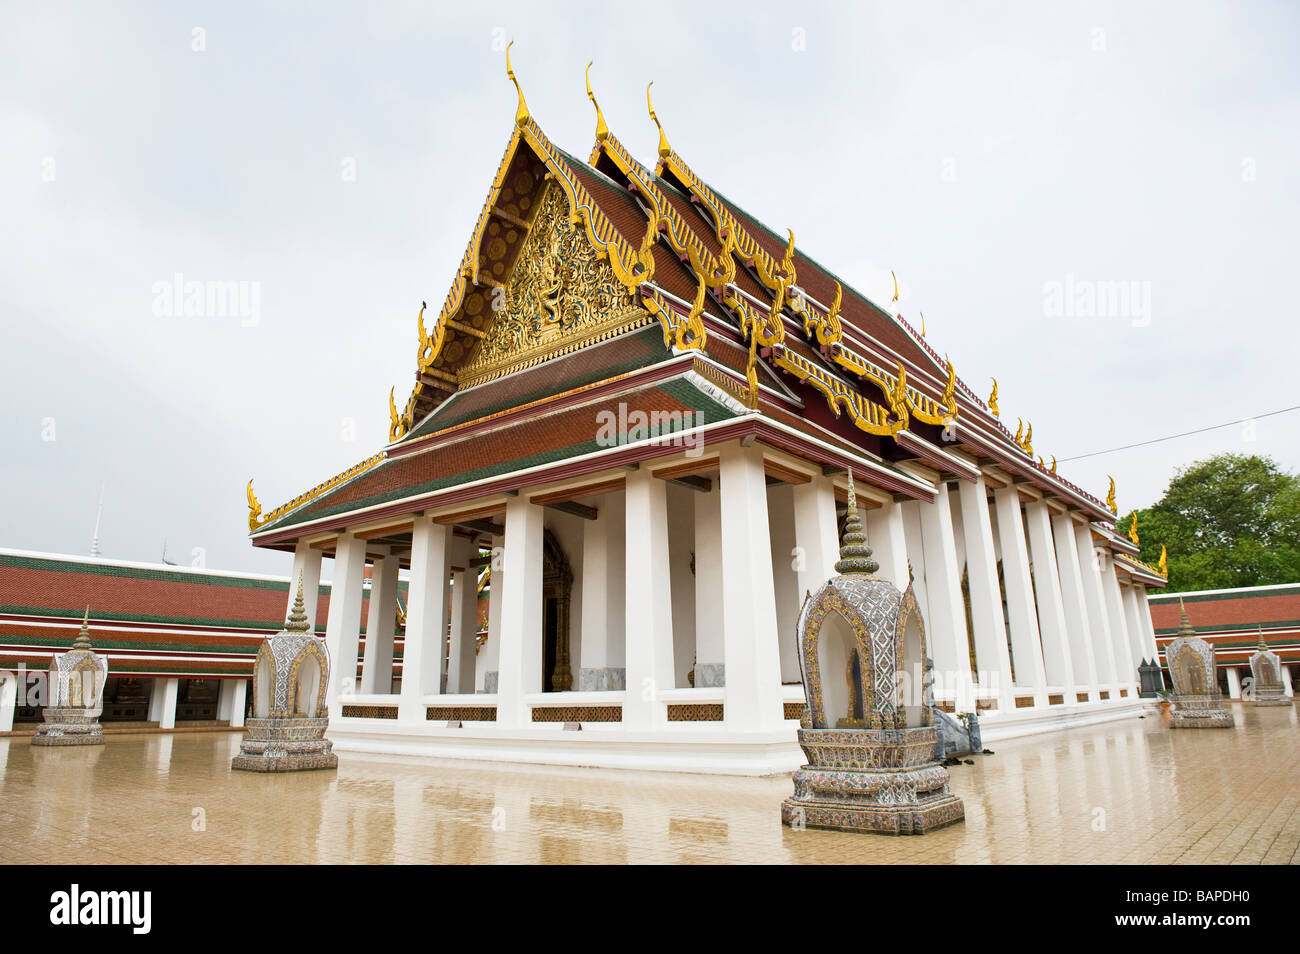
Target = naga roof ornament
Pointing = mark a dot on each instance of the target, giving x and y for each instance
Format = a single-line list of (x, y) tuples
[(993, 399), (1133, 528), (665, 150), (521, 114), (602, 129), (1110, 497)]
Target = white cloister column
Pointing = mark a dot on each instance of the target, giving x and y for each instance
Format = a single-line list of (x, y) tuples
[(521, 612), (1058, 665), (1133, 618), (162, 702), (991, 653), (1099, 638), (9, 699), (1125, 667), (946, 626), (231, 697), (681, 549), (1074, 598), (648, 588), (381, 625), (782, 536), (485, 679), (464, 624), (343, 627), (750, 643), (426, 617), (1021, 611), (1234, 682), (888, 542), (815, 534), (1148, 629), (710, 664), (603, 556), (306, 567)]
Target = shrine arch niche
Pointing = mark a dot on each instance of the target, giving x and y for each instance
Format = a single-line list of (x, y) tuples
[(841, 664), (263, 683), (1189, 672), (911, 657), (306, 677)]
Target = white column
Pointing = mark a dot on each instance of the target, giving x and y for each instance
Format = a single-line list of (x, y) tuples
[(991, 654), (785, 575), (1133, 618), (464, 629), (648, 647), (750, 643), (1125, 667), (1021, 611), (1099, 638), (521, 612), (681, 547), (306, 567), (486, 677), (1234, 683), (426, 617), (343, 626), (1074, 598), (1286, 680), (1148, 629), (9, 699), (710, 666), (231, 703), (915, 540), (1057, 662), (888, 542), (946, 626), (815, 534), (381, 626), (162, 702)]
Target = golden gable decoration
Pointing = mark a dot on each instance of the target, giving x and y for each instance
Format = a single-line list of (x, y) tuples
[(560, 296)]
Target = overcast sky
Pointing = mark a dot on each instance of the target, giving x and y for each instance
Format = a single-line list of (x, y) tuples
[(337, 155)]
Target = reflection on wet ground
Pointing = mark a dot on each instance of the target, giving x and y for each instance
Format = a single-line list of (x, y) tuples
[(1127, 792)]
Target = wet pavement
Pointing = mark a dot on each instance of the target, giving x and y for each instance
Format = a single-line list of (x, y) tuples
[(1127, 792)]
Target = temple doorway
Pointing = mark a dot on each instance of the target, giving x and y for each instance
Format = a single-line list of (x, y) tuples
[(557, 589)]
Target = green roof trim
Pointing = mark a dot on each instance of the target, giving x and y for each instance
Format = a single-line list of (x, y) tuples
[(160, 574), (1248, 593)]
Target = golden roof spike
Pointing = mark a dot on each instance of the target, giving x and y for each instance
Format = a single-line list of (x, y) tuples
[(895, 278), (254, 509), (1163, 565), (521, 114), (1110, 497), (922, 324), (1053, 463), (993, 399), (665, 150), (1133, 528), (602, 130), (1020, 432)]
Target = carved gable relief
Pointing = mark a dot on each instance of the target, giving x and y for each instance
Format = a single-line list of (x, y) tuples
[(559, 297)]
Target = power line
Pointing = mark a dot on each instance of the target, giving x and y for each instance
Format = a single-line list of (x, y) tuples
[(1199, 430)]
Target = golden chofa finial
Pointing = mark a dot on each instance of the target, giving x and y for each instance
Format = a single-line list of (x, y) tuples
[(895, 278), (1110, 497), (521, 114), (1053, 467), (993, 399), (1133, 529), (1163, 565), (665, 150), (254, 509), (602, 130), (922, 324)]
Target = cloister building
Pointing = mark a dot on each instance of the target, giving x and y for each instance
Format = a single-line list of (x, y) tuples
[(633, 419)]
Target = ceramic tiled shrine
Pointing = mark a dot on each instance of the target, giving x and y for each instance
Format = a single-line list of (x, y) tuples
[(1265, 670), (1198, 704), (868, 728), (76, 691)]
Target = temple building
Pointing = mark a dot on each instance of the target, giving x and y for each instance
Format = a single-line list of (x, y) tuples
[(637, 409), (1237, 623)]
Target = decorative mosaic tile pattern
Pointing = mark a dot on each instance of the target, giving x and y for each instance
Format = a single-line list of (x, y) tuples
[(792, 710), (370, 712), (461, 713), (578, 714), (702, 712)]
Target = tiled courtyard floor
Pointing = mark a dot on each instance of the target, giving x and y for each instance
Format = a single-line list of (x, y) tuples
[(1129, 792)]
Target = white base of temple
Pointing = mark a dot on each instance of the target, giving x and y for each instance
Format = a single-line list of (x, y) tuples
[(685, 747), (994, 727)]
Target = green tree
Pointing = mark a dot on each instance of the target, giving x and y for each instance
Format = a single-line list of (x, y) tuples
[(1230, 520)]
